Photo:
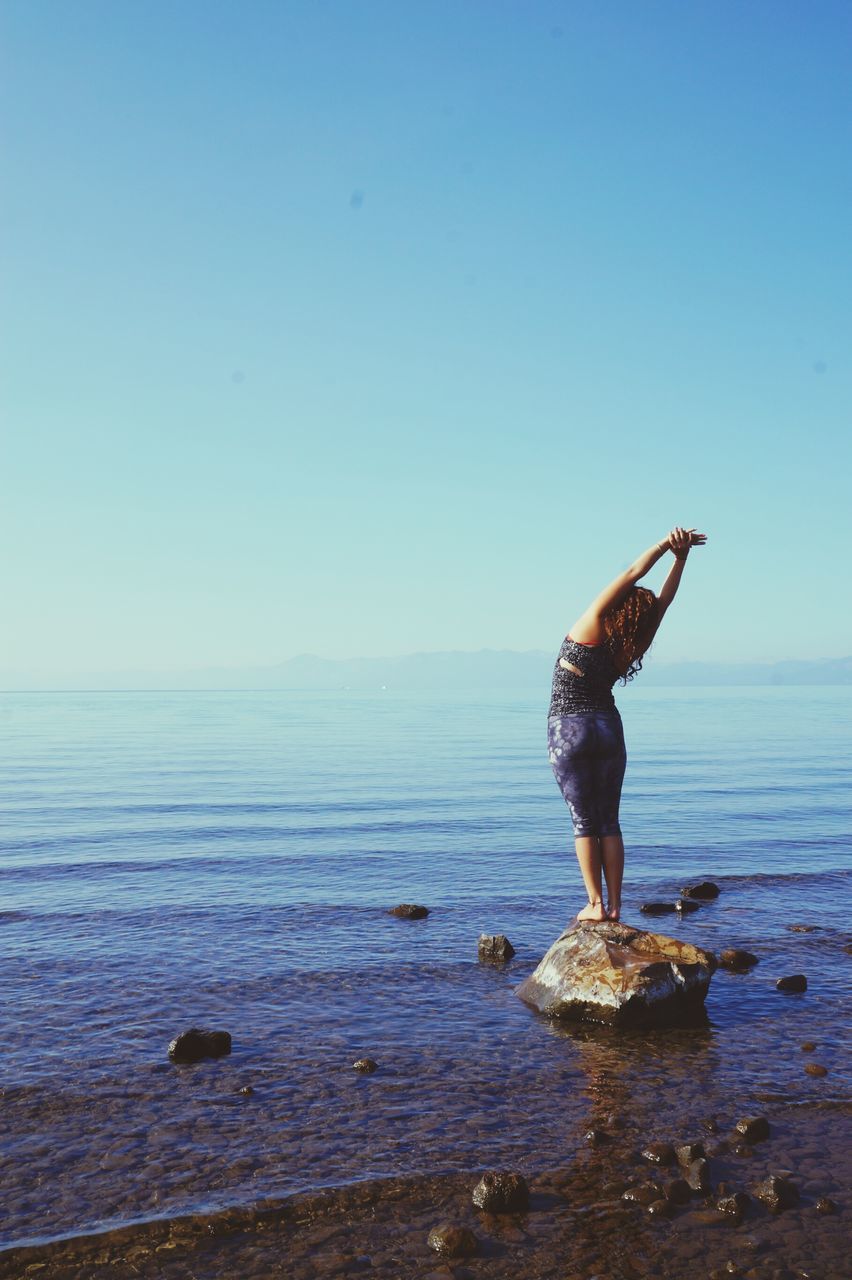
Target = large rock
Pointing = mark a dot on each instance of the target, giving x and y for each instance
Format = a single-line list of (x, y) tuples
[(610, 972)]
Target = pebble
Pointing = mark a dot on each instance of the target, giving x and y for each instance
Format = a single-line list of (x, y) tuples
[(815, 1069), (659, 1153), (502, 1192), (452, 1241), (808, 1046), (686, 1152), (365, 1065), (678, 1191), (753, 1128), (826, 1205), (777, 1193)]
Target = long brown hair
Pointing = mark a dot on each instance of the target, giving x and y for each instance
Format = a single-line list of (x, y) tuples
[(629, 629)]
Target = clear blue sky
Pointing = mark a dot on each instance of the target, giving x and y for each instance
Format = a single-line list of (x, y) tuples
[(370, 327)]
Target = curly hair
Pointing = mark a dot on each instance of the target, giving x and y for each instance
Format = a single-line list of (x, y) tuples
[(629, 629)]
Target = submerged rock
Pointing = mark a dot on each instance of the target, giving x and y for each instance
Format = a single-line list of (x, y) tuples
[(737, 959), (678, 1191), (502, 1193), (706, 891), (687, 1152), (658, 908), (609, 972), (452, 1241), (753, 1128), (796, 982), (365, 1065), (777, 1193), (195, 1044), (659, 1153), (685, 906), (495, 946), (409, 911)]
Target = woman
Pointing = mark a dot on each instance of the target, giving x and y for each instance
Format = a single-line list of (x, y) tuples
[(585, 737)]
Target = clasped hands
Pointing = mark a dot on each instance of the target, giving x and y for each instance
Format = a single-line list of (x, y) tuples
[(680, 540)]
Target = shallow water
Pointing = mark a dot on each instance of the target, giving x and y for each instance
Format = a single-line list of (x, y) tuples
[(171, 860)]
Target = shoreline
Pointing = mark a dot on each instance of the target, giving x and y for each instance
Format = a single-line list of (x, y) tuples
[(578, 1220)]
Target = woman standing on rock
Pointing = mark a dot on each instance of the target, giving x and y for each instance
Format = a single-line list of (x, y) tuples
[(585, 737)]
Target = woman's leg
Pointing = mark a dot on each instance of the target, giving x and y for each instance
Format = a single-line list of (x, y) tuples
[(612, 857), (571, 745), (589, 857)]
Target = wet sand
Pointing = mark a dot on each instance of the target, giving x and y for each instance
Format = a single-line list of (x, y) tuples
[(578, 1223)]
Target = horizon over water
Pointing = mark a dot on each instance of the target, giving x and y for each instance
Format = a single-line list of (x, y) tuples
[(227, 859)]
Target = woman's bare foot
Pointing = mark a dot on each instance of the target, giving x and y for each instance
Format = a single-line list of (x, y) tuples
[(613, 911), (593, 911)]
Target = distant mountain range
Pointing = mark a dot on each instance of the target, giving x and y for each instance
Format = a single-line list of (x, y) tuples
[(485, 668)]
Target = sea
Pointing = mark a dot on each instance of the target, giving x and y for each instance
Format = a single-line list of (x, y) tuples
[(227, 860)]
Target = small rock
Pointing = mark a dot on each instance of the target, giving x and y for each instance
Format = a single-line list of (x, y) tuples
[(848, 948), (659, 1153), (247, 1090), (697, 1175), (365, 1065), (801, 928), (195, 1044), (596, 1137), (645, 1193), (409, 911), (495, 946), (734, 1205), (710, 1124), (777, 1193), (796, 982), (660, 1209), (500, 1192), (686, 1152), (678, 1191), (807, 1047), (686, 905), (814, 1069), (657, 908), (706, 891), (826, 1205), (736, 959), (744, 1149), (753, 1128), (452, 1241)]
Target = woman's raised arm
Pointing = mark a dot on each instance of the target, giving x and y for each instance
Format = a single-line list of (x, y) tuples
[(589, 629)]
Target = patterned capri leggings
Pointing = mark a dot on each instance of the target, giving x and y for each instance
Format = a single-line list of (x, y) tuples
[(588, 756)]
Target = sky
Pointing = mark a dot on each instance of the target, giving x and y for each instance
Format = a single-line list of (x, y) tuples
[(373, 328)]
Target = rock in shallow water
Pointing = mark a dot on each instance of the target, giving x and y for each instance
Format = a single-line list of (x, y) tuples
[(409, 911), (706, 891), (609, 972), (795, 982), (737, 959), (195, 1044), (495, 947), (500, 1192), (777, 1193), (452, 1241)]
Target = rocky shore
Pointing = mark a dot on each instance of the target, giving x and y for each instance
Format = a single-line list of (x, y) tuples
[(593, 1216)]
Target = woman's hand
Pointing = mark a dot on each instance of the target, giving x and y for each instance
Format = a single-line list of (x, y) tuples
[(680, 540)]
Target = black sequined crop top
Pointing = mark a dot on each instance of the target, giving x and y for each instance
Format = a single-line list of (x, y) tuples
[(592, 691)]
